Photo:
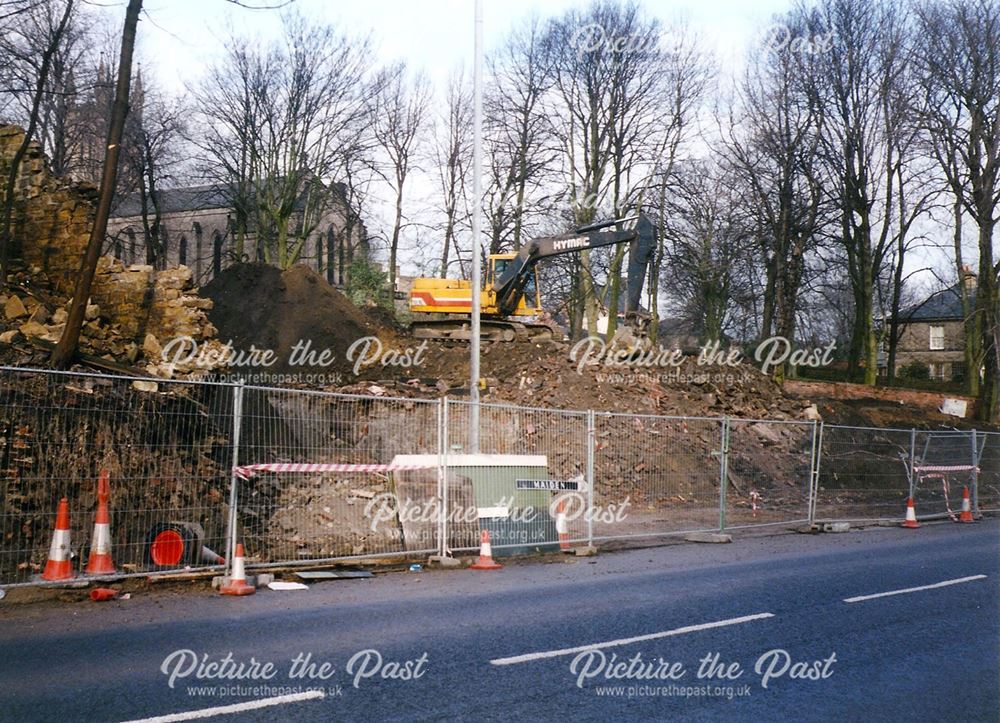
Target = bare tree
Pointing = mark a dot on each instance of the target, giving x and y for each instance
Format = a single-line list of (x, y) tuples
[(708, 238), (623, 108), (152, 153), (452, 157), (959, 58), (275, 123), (518, 135), (68, 343), (854, 84), (771, 145), (399, 125)]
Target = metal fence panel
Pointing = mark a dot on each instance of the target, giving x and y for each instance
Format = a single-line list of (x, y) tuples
[(769, 472), (989, 472), (655, 475), (525, 481), (166, 453), (863, 473), (292, 517)]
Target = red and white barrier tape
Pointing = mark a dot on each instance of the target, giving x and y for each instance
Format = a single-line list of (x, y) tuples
[(946, 468), (247, 471)]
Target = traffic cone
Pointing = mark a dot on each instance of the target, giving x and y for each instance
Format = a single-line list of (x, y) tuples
[(485, 561), (237, 584), (99, 562), (911, 515), (966, 514), (59, 566), (561, 527)]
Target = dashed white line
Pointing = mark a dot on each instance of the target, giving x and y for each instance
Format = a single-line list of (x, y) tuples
[(945, 583), (234, 708), (527, 657)]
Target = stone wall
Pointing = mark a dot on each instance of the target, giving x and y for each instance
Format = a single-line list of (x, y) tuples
[(52, 217), (53, 221)]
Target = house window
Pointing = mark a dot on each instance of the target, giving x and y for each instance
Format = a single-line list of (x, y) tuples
[(937, 337)]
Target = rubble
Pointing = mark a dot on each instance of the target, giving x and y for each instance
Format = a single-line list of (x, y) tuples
[(118, 312)]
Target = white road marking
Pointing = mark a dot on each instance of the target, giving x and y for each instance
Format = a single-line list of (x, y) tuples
[(945, 583), (234, 708), (627, 641)]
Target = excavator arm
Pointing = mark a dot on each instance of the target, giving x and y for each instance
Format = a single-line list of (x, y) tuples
[(640, 234)]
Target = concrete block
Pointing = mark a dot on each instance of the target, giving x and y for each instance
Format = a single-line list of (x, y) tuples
[(837, 527), (715, 537), (443, 561), (588, 551)]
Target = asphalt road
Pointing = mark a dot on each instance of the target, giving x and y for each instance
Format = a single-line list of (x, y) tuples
[(513, 644)]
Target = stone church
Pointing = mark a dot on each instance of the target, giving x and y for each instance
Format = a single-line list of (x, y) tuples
[(197, 226)]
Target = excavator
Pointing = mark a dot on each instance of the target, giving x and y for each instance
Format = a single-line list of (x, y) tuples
[(510, 300)]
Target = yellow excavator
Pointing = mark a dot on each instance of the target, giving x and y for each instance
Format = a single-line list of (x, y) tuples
[(510, 300)]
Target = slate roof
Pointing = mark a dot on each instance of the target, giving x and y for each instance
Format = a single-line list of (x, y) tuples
[(945, 305), (177, 200)]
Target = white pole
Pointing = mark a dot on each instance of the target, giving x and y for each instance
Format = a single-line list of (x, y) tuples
[(477, 196)]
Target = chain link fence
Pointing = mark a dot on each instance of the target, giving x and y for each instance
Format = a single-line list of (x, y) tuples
[(301, 477)]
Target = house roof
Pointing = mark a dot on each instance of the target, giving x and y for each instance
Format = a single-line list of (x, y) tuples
[(944, 305)]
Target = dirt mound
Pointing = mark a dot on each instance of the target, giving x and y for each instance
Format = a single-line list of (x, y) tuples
[(307, 324)]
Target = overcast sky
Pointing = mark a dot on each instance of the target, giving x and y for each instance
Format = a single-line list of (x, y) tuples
[(435, 35)]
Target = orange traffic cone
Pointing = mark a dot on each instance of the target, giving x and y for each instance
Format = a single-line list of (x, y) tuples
[(561, 528), (99, 562), (237, 584), (966, 514), (911, 515), (485, 561), (59, 566)]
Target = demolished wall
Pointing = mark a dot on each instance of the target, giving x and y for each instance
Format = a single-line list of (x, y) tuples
[(137, 308)]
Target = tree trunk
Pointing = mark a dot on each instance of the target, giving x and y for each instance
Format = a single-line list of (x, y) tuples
[(66, 349)]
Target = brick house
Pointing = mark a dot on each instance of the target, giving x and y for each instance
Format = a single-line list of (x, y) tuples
[(933, 333)]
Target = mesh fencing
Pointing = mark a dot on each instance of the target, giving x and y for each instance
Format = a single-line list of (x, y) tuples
[(863, 473), (289, 517), (655, 475), (769, 470), (167, 451), (524, 480), (988, 478), (327, 477)]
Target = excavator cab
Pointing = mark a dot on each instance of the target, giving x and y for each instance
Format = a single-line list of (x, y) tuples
[(530, 303)]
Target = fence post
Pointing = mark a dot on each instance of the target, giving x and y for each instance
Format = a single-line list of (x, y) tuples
[(440, 476), (913, 457), (810, 496), (723, 472), (444, 477), (817, 466), (975, 473), (591, 443), (234, 480)]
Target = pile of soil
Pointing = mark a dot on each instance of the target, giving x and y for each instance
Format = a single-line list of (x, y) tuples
[(260, 307)]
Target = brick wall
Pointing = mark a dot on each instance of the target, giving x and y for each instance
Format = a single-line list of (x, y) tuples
[(841, 390)]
